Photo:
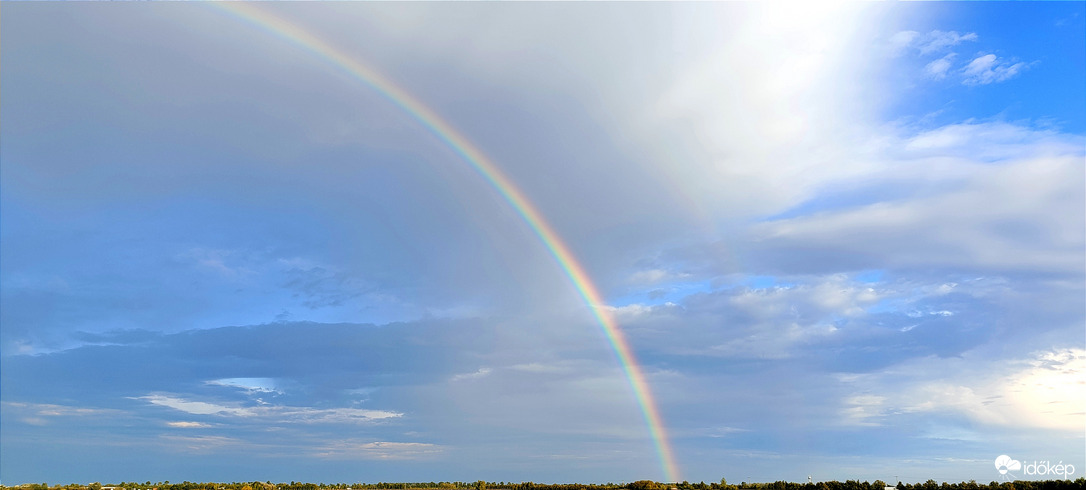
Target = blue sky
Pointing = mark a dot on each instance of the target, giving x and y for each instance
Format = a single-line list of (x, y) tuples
[(844, 241)]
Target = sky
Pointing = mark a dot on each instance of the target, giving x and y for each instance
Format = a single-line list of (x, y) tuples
[(841, 240)]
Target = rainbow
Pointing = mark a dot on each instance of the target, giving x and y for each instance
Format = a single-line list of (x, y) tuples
[(502, 184)]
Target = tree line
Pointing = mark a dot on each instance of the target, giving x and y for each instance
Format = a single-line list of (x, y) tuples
[(1077, 484)]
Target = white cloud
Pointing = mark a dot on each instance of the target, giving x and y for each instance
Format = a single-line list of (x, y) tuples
[(479, 373), (940, 40), (903, 39), (1002, 197), (982, 70), (333, 415), (931, 42), (45, 413), (196, 408), (984, 142), (770, 146), (377, 450), (201, 443), (252, 385), (280, 413), (861, 409), (988, 68), (630, 312), (938, 69), (188, 425), (1046, 390)]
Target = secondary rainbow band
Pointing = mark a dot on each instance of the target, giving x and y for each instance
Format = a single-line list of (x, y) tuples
[(508, 190)]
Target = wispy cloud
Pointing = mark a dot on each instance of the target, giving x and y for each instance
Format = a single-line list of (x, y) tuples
[(984, 69), (931, 42), (202, 444), (940, 40), (988, 68), (47, 413), (381, 450), (197, 407), (251, 385), (479, 373), (188, 425), (227, 263), (277, 413), (938, 69)]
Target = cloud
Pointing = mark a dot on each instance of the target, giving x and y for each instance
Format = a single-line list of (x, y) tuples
[(252, 385), (196, 407), (380, 450), (988, 68), (273, 413), (982, 70), (940, 40), (931, 42), (985, 141), (860, 409), (938, 69), (903, 39), (1003, 184), (201, 444), (47, 413), (1042, 391), (188, 425), (222, 262), (480, 373)]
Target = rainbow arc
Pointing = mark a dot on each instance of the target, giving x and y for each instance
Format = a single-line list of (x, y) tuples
[(443, 131)]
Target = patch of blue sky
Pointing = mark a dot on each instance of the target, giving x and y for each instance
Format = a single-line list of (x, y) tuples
[(677, 291), (870, 276), (672, 292), (1051, 66), (765, 282)]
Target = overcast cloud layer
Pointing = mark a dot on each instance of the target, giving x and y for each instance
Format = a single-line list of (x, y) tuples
[(844, 242)]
